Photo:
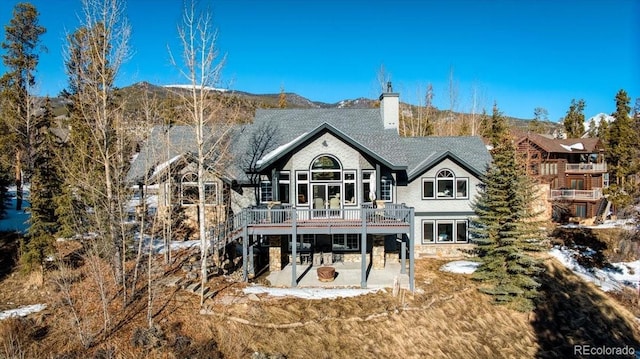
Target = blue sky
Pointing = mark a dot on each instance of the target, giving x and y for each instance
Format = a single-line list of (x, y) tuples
[(521, 54)]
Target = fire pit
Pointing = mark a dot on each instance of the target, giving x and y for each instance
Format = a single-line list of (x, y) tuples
[(326, 274)]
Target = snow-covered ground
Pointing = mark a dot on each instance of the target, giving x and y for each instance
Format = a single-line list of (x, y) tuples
[(616, 277), (309, 293), (462, 267), (628, 224), (22, 311)]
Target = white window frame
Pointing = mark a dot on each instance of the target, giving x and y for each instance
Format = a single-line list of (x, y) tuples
[(304, 182), (264, 184), (433, 226), (286, 182), (466, 180), (190, 180), (371, 179), (436, 235), (352, 182), (343, 241), (386, 194), (433, 188)]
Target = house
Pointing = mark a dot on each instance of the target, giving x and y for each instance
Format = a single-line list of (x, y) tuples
[(573, 170), (343, 185)]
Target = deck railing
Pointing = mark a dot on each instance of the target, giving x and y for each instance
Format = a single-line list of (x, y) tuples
[(586, 167), (592, 194)]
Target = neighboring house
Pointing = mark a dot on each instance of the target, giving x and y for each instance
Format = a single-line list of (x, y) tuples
[(348, 187), (165, 173), (574, 169)]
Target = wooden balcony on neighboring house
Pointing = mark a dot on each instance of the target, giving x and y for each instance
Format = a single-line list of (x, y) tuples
[(585, 168), (576, 194)]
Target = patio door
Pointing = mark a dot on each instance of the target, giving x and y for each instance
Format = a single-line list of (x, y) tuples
[(326, 200)]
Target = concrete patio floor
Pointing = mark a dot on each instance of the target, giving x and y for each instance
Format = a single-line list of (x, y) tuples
[(347, 276)]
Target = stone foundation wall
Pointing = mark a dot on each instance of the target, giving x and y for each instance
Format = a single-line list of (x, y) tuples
[(378, 257), (275, 259), (351, 257), (444, 250)]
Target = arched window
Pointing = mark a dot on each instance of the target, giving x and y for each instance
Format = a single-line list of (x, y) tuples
[(326, 168), (444, 180), (189, 190)]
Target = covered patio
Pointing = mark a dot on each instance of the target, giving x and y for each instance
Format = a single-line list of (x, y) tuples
[(346, 275)]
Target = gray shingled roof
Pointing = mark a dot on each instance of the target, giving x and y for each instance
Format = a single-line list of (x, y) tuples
[(362, 127), (424, 152)]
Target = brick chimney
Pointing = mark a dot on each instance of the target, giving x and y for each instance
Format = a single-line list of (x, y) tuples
[(390, 108)]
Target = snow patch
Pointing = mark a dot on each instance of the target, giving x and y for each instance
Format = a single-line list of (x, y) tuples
[(188, 87), (310, 293), (22, 311), (576, 146), (613, 278), (461, 267), (278, 150)]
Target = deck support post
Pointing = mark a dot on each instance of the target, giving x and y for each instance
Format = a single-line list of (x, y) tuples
[(363, 249), (245, 243), (412, 247), (403, 256), (294, 247), (252, 268)]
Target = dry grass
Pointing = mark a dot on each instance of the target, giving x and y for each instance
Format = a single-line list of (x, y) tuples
[(447, 318)]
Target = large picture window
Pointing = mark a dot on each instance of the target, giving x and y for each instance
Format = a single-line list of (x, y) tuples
[(345, 242), (326, 168), (445, 231)]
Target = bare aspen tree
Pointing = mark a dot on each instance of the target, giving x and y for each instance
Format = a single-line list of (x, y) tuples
[(453, 101), (206, 110), (94, 56)]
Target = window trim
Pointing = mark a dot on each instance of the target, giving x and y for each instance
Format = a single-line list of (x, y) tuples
[(353, 182), (192, 182), (270, 185), (343, 238), (303, 182), (454, 234), (386, 180), (371, 179), (281, 182), (433, 187)]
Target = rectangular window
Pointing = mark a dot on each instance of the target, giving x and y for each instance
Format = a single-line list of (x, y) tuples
[(581, 210), (283, 187), (427, 231), (349, 188), (428, 188), (445, 231), (461, 231), (461, 188), (577, 184), (445, 188), (367, 178), (386, 189), (190, 195), (302, 189), (266, 192), (345, 242)]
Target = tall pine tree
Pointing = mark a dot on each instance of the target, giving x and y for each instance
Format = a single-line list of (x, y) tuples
[(574, 120), (45, 186), (22, 46), (504, 228), (622, 152)]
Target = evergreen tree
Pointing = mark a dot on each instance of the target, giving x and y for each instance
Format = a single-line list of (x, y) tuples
[(622, 152), (603, 130), (504, 231), (593, 129), (22, 45), (574, 120), (45, 185), (484, 128), (540, 115)]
